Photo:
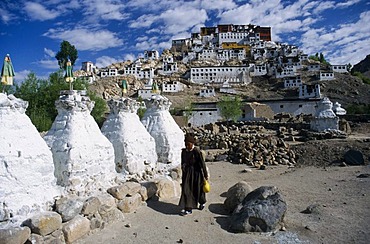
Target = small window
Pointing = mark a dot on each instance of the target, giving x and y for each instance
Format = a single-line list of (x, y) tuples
[(201, 113), (300, 105), (281, 106)]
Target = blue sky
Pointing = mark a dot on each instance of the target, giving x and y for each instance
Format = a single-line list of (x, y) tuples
[(109, 31)]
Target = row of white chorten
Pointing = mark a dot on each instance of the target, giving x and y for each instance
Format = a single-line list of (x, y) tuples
[(75, 156)]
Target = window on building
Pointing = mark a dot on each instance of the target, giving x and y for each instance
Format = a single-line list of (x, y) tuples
[(300, 105), (281, 106)]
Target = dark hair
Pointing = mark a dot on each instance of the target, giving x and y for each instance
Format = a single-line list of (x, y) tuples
[(189, 138)]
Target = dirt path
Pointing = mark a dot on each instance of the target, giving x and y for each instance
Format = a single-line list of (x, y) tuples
[(343, 203)]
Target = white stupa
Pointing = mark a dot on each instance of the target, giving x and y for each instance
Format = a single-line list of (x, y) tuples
[(338, 110), (168, 136), (83, 156), (134, 147), (27, 181), (324, 118)]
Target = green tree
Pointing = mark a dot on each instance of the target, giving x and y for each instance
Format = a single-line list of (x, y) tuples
[(319, 57), (358, 109), (32, 90), (188, 110), (141, 111), (365, 79), (100, 108), (230, 108), (42, 94), (67, 51)]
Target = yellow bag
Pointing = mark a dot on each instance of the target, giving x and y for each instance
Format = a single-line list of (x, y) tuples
[(206, 186)]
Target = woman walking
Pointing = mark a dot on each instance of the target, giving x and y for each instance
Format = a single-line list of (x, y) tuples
[(194, 172)]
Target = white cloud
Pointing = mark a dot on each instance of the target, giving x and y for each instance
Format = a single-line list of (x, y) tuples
[(51, 64), (346, 44), (143, 21), (49, 52), (104, 9), (129, 56), (105, 61), (182, 19), (217, 5), (347, 3), (84, 39), (6, 16), (20, 76), (37, 11)]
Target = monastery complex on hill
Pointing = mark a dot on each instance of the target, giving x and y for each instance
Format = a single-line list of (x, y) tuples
[(208, 56)]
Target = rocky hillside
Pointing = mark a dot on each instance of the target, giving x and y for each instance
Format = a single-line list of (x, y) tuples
[(363, 66), (345, 89)]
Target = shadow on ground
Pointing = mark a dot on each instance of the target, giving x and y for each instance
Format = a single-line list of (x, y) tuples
[(223, 219), (164, 207)]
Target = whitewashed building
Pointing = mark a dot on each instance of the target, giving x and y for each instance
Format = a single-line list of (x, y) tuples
[(88, 67), (258, 69), (137, 70), (327, 76), (218, 74), (313, 67), (309, 91), (207, 92), (110, 72), (292, 106), (147, 92), (294, 81), (204, 113), (227, 88), (151, 55), (285, 72), (234, 53), (339, 68), (168, 68), (172, 87), (303, 57), (207, 54)]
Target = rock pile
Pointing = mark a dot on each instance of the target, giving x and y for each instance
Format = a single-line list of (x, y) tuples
[(249, 145), (262, 210), (74, 217)]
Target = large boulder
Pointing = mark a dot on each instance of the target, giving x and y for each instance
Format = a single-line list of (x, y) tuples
[(167, 188), (68, 207), (236, 194), (262, 210), (44, 223), (14, 235), (354, 157), (127, 189), (76, 228)]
